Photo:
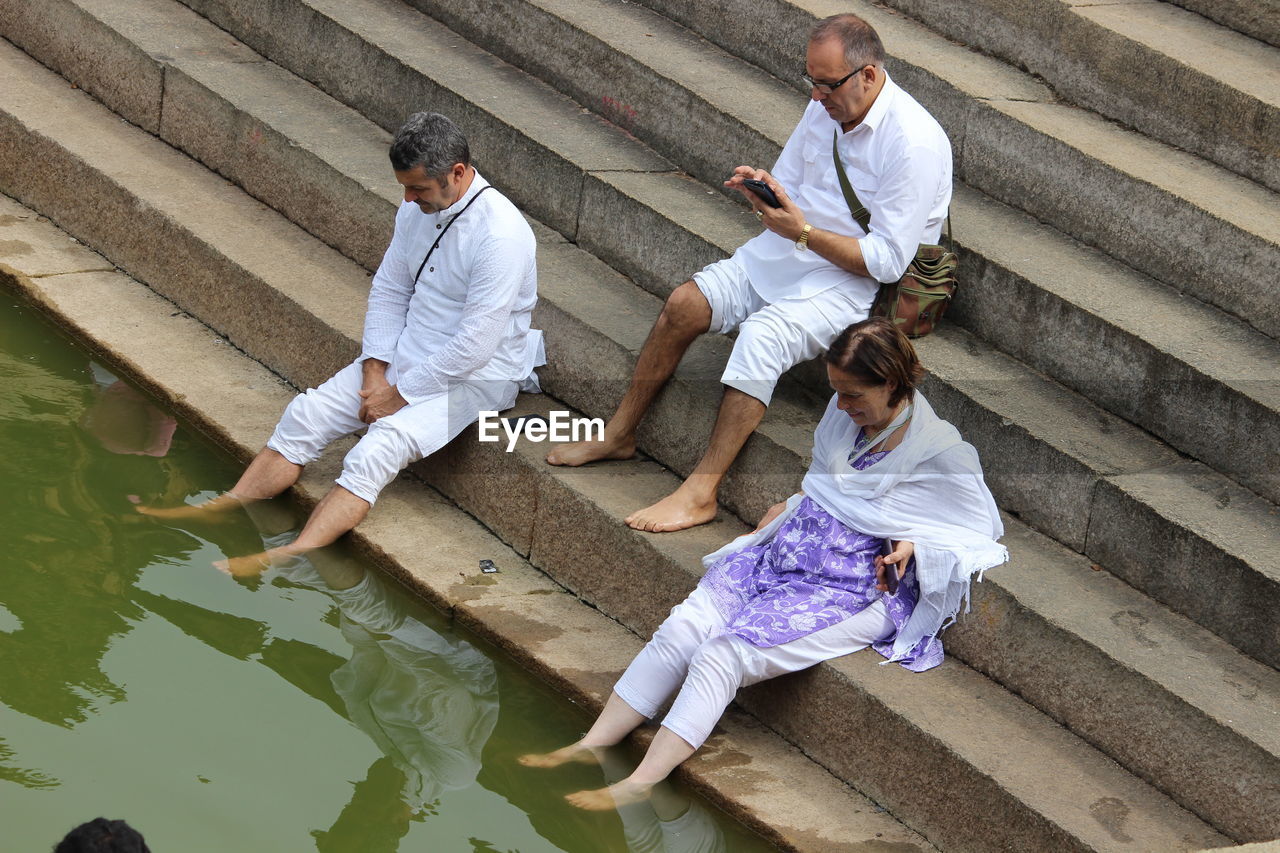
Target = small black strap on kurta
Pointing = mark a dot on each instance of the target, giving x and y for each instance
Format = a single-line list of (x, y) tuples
[(445, 231)]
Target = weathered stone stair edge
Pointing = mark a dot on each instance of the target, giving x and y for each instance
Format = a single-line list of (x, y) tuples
[(1258, 19), (399, 72), (234, 414), (1142, 202), (651, 242), (1169, 73), (322, 368), (986, 427), (764, 32)]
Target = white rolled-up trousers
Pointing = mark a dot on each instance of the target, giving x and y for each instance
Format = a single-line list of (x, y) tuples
[(692, 653), (773, 337), (320, 415)]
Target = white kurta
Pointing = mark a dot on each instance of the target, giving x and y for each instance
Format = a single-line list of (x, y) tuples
[(898, 159), (458, 342), (468, 316), (789, 304)]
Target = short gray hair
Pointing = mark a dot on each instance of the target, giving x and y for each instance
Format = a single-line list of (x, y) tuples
[(862, 46), (431, 141)]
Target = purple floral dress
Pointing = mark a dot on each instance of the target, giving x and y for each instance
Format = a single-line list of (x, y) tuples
[(814, 573)]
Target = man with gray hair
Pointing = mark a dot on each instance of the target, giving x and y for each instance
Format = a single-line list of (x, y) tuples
[(446, 335), (814, 271)]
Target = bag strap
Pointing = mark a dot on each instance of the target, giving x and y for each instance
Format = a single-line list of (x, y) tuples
[(445, 231), (860, 213)]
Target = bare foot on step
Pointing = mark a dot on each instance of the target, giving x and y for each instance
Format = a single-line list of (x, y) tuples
[(681, 509), (583, 452)]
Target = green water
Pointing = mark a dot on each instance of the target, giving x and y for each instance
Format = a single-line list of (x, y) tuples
[(319, 708)]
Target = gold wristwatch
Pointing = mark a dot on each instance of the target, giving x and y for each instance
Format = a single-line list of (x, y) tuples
[(803, 243)]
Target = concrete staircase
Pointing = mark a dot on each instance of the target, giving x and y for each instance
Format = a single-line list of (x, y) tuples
[(1121, 386)]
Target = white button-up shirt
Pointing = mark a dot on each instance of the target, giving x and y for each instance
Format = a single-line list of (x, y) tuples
[(898, 159), (468, 316)]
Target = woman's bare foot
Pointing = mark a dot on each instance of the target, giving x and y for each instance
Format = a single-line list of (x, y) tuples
[(622, 793), (211, 510), (582, 452), (574, 752), (683, 508)]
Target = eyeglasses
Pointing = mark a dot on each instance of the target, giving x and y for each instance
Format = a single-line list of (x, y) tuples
[(828, 88)]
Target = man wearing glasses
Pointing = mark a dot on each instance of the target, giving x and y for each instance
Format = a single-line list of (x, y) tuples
[(812, 272)]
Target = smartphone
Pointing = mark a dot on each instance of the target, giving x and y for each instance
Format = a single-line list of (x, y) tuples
[(761, 189), (891, 578)]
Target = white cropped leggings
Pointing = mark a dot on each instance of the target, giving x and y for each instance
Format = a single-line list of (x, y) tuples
[(691, 653)]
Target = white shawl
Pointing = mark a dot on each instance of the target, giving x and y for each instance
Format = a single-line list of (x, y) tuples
[(929, 491)]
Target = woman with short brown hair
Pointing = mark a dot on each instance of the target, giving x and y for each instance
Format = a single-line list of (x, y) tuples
[(877, 550)]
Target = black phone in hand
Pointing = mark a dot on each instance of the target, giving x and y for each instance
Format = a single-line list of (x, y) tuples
[(761, 189)]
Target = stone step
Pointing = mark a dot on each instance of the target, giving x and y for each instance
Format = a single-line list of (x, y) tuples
[(1179, 218), (1071, 457), (519, 125), (1167, 72), (1257, 18), (658, 226), (580, 651), (1134, 62), (497, 486)]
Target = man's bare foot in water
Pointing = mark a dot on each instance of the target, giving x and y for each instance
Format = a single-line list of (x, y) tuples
[(582, 452), (574, 752), (211, 510), (622, 793), (252, 565), (683, 508)]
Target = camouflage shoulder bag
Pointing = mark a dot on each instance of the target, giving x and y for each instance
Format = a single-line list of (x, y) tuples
[(916, 302)]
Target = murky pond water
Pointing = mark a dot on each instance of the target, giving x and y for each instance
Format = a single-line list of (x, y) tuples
[(320, 708)]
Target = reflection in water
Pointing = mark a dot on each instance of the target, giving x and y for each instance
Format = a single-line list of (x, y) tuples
[(66, 570), (124, 421), (430, 702), (668, 821), (427, 700)]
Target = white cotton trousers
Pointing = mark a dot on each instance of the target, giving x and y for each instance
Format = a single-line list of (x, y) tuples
[(321, 415), (774, 336), (691, 653)]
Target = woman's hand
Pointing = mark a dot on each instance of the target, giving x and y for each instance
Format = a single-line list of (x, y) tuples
[(897, 559), (769, 515)]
